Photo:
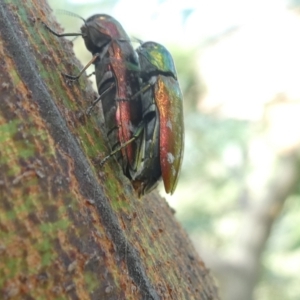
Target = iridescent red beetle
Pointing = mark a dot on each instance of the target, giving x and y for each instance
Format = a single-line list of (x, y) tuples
[(116, 65)]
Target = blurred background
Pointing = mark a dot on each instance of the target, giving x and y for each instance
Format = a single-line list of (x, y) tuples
[(238, 197)]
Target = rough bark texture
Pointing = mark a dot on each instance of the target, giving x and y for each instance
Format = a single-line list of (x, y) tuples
[(69, 229)]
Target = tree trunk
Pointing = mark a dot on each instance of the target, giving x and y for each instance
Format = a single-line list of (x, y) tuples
[(70, 229)]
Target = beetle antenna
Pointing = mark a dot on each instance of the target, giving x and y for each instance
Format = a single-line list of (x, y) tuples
[(69, 13), (137, 40), (65, 34)]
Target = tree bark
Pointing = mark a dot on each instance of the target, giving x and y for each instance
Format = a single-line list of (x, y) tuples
[(68, 228)]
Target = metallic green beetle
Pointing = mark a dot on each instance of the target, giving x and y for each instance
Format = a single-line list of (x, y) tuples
[(159, 75)]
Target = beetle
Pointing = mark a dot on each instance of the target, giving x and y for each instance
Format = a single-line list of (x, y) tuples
[(160, 77), (104, 33), (116, 64), (161, 132)]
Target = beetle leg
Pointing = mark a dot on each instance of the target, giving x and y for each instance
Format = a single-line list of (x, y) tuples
[(145, 88), (96, 56), (134, 137), (94, 73), (88, 111)]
